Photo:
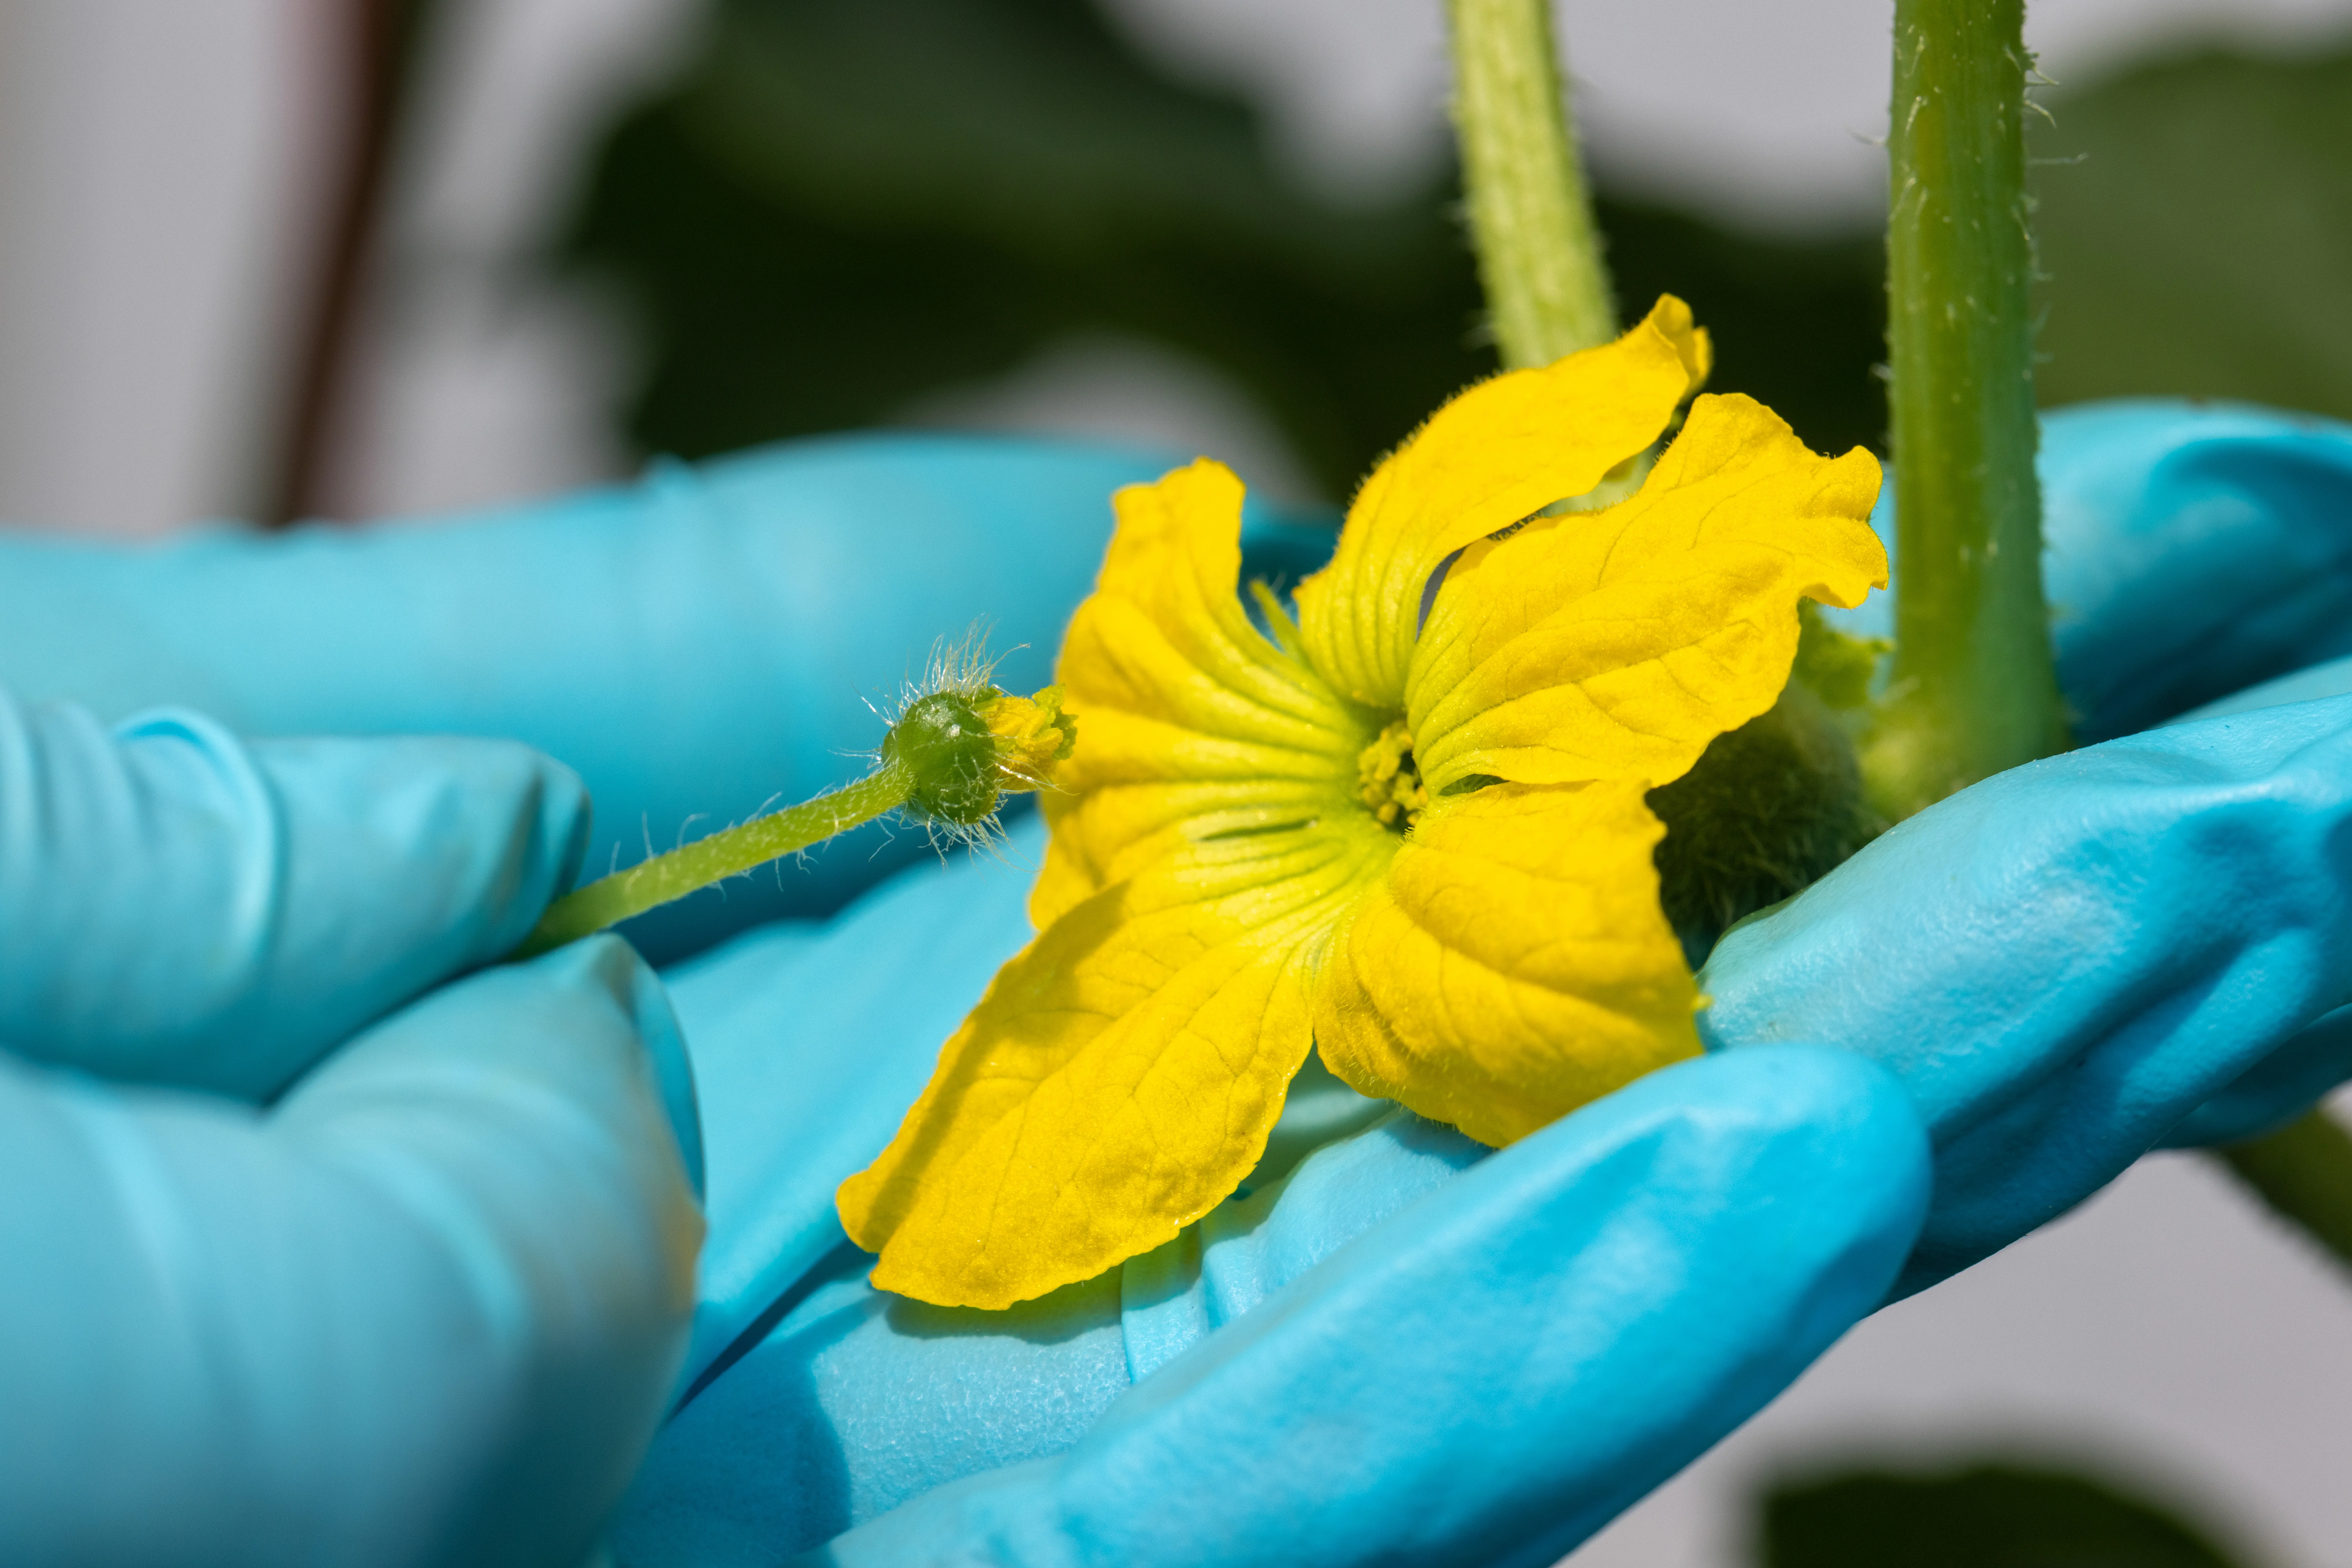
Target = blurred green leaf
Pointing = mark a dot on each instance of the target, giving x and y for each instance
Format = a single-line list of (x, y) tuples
[(847, 203), (1987, 1516), (841, 205), (1798, 323), (2202, 244)]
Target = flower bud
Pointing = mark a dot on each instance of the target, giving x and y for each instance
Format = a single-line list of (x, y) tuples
[(1032, 733), (962, 750)]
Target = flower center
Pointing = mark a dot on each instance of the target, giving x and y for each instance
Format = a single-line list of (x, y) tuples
[(1388, 782)]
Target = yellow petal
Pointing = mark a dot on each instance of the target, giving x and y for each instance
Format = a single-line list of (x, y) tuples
[(1064, 881), (1503, 450), (1615, 645), (1120, 1078), (1514, 963), (1191, 722)]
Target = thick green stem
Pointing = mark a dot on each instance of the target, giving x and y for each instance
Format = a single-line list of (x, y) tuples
[(655, 882), (1538, 252), (2304, 1170), (1974, 689)]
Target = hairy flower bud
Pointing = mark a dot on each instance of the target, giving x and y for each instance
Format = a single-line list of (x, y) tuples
[(962, 750)]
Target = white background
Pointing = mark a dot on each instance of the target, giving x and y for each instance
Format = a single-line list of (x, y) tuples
[(160, 165)]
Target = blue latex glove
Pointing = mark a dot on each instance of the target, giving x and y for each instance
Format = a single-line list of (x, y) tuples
[(2140, 941), (423, 1307), (695, 645), (1075, 1370), (1506, 1359), (1502, 1368), (314, 1262), (819, 1403), (1683, 1192)]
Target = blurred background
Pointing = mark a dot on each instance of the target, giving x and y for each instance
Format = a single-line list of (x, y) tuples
[(356, 259)]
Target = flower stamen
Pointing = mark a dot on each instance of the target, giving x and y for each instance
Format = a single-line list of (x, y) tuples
[(1388, 782)]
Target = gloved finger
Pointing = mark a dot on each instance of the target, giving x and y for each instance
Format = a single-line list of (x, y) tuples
[(1507, 1364), (426, 1311), (865, 1400), (2190, 550), (843, 1402), (694, 645), (2063, 962), (182, 907)]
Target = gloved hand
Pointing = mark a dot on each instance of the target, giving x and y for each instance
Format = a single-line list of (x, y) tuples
[(2140, 941), (2048, 992), (317, 1263), (695, 645), (1682, 1194), (1481, 1367), (425, 1306), (747, 521), (1502, 1368)]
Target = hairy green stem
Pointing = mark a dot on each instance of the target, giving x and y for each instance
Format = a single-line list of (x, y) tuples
[(2304, 1170), (1530, 216), (657, 881), (1974, 688)]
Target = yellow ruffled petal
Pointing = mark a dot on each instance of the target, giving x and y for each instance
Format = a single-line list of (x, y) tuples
[(1514, 963), (1192, 722), (1615, 645), (1118, 1080), (1503, 450)]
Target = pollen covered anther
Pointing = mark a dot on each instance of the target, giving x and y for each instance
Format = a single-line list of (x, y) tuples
[(1032, 733), (1388, 782)]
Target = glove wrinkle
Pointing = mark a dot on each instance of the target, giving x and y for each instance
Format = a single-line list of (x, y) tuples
[(2193, 550), (2275, 1090)]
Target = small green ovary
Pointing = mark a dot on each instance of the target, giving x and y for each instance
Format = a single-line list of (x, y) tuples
[(944, 743)]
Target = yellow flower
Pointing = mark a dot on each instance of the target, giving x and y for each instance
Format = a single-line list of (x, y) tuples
[(1408, 829)]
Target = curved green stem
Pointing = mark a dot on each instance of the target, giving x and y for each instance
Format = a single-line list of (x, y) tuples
[(1530, 216), (1974, 690), (657, 881), (2302, 1171)]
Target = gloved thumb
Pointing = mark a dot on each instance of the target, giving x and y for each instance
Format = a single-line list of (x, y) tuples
[(183, 907)]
